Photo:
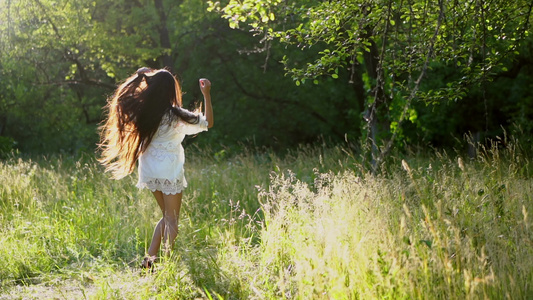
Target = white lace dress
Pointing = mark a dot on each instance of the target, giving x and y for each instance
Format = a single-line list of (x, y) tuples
[(161, 165)]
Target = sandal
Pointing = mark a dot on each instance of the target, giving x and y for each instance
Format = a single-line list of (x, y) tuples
[(148, 263)]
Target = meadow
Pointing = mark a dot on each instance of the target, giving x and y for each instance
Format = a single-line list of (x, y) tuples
[(312, 224)]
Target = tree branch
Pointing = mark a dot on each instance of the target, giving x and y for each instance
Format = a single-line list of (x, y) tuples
[(412, 95)]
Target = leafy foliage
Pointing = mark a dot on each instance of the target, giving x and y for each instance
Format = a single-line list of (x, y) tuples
[(385, 73), (60, 60), (390, 49)]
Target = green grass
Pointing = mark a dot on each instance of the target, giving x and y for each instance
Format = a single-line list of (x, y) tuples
[(310, 225)]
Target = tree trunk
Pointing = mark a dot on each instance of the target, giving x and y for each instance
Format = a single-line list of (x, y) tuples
[(164, 37), (358, 86), (376, 114)]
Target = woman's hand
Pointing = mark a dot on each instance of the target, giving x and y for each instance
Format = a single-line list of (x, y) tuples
[(205, 86)]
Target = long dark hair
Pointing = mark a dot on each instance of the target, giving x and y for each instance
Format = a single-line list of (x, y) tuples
[(135, 112)]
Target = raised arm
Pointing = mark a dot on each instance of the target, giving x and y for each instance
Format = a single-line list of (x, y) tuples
[(205, 87)]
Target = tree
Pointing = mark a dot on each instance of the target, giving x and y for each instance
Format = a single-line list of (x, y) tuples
[(389, 48), (60, 59), (383, 61)]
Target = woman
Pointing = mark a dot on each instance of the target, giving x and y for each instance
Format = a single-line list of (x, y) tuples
[(146, 123)]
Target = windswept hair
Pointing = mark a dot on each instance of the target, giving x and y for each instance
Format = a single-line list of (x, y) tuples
[(134, 114)]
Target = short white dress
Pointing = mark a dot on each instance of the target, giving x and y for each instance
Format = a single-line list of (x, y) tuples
[(161, 164)]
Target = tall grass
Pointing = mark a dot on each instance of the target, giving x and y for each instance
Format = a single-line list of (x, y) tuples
[(310, 225)]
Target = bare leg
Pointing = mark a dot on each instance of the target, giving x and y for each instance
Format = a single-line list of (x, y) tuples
[(159, 228), (167, 228), (172, 204)]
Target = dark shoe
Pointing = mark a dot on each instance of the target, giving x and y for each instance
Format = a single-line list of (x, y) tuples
[(148, 263)]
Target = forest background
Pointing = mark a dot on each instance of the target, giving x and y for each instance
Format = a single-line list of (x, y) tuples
[(374, 74), (338, 167)]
